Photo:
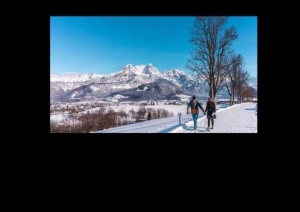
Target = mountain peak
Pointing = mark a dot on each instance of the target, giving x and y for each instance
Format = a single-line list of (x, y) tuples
[(174, 72), (150, 69), (128, 66)]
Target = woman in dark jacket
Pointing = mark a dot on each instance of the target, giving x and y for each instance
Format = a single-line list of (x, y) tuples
[(211, 110)]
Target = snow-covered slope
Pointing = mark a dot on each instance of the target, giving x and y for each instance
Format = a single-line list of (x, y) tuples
[(157, 90)]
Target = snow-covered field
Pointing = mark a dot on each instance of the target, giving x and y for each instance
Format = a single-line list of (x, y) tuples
[(184, 97), (58, 118), (240, 118), (171, 108)]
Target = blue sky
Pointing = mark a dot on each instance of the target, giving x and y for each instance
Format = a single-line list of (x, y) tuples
[(102, 45)]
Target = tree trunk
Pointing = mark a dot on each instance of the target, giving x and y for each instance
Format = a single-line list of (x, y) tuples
[(211, 90), (214, 95), (232, 96), (230, 99)]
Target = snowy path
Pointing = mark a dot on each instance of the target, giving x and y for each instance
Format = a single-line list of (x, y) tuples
[(240, 118), (152, 126)]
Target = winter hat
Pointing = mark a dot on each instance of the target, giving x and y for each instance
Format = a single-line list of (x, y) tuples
[(194, 97)]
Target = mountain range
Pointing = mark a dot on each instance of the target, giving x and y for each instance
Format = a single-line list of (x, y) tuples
[(141, 82)]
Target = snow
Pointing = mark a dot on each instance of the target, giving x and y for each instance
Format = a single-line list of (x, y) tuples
[(74, 77), (225, 100), (139, 69), (239, 118), (95, 88), (171, 108), (145, 88), (151, 126), (115, 98), (66, 88), (122, 86), (183, 97), (58, 118), (120, 96)]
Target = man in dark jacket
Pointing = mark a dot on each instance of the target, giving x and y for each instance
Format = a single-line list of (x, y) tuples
[(211, 110), (194, 105)]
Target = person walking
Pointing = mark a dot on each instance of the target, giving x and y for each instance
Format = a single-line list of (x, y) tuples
[(211, 110), (194, 105)]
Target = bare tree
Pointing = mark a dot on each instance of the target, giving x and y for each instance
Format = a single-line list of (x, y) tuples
[(53, 126), (154, 113), (123, 115), (233, 65), (141, 112), (131, 112), (149, 116), (164, 113), (159, 113), (248, 93), (212, 42), (242, 79)]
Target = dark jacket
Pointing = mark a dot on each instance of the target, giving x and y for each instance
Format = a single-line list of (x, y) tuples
[(210, 107), (194, 107)]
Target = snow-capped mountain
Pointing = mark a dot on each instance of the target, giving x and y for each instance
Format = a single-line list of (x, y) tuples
[(74, 77), (129, 79), (184, 80), (81, 85), (62, 84)]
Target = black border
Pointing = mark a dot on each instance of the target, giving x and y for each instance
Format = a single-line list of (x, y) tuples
[(155, 141)]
